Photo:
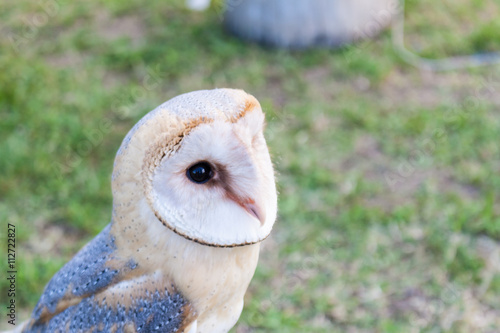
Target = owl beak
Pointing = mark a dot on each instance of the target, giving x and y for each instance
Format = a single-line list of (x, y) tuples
[(255, 210)]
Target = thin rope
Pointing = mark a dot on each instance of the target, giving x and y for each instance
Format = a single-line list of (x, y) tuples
[(445, 64)]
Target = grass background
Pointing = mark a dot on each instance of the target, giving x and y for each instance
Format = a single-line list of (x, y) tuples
[(389, 176)]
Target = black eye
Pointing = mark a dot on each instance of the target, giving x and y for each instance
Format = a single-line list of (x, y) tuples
[(200, 173)]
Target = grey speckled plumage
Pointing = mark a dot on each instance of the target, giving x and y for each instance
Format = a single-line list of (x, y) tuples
[(87, 274), (161, 312), (307, 23)]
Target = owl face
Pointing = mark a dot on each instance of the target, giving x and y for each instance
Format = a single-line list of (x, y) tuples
[(211, 180)]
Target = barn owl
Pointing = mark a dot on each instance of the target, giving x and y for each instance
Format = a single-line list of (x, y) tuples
[(193, 196)]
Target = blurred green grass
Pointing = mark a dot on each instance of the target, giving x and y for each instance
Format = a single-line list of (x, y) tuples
[(389, 177)]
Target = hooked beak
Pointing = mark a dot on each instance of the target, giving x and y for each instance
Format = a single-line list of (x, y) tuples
[(255, 210)]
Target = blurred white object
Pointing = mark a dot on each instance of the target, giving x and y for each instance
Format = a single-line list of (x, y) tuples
[(308, 23), (198, 5)]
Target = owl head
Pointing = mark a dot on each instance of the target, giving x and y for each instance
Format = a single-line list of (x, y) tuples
[(199, 163)]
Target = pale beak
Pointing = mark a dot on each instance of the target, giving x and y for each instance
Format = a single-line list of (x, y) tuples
[(255, 210)]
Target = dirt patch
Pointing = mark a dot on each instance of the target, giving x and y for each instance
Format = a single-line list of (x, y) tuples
[(403, 180), (110, 28), (68, 59), (51, 240), (424, 311), (424, 88), (112, 79), (324, 84)]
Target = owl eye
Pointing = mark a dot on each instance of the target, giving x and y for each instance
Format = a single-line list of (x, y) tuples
[(200, 173)]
